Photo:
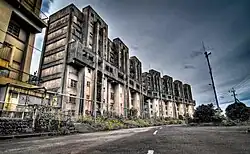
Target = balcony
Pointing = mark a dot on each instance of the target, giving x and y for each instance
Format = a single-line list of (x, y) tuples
[(8, 74), (17, 76), (80, 56), (30, 11)]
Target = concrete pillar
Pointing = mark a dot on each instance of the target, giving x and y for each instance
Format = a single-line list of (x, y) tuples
[(117, 99), (156, 107), (181, 109), (81, 92), (171, 109), (137, 103)]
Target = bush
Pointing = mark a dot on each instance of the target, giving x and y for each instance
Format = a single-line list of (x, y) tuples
[(204, 113), (190, 120), (142, 123), (181, 117), (238, 111), (86, 119), (228, 122)]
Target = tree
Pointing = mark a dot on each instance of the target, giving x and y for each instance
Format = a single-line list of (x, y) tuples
[(204, 113), (237, 111)]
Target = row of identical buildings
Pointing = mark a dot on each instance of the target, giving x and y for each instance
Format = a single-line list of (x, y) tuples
[(87, 71)]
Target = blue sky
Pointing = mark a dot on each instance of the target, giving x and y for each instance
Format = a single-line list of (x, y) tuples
[(167, 34)]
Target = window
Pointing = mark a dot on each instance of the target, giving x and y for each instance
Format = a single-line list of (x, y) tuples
[(112, 97), (73, 112), (92, 14), (91, 58), (14, 28), (72, 99), (89, 70), (151, 112), (151, 106), (132, 103), (87, 96), (91, 35), (107, 68), (137, 86), (14, 95), (88, 84), (73, 83)]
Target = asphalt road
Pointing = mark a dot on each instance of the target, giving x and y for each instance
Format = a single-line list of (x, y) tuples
[(154, 140)]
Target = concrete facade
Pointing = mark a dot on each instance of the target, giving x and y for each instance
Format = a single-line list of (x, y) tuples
[(164, 97), (19, 22), (81, 61)]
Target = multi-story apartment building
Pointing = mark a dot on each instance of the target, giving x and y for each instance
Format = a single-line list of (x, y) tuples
[(77, 53), (135, 81), (20, 20), (165, 98), (91, 72)]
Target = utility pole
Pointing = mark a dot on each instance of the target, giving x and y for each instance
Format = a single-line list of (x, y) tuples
[(211, 75), (234, 94)]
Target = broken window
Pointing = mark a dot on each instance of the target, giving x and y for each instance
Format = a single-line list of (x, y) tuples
[(87, 96), (112, 96), (73, 83), (72, 99), (89, 70), (88, 84), (14, 28)]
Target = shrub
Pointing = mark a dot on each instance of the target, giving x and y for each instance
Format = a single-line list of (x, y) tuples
[(181, 117), (86, 119), (228, 122), (238, 111), (142, 123), (204, 113)]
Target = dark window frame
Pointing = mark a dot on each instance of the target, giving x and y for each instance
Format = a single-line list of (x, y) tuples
[(73, 83), (14, 28)]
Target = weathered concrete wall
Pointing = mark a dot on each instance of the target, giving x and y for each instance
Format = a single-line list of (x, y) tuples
[(5, 15), (89, 88), (190, 110), (181, 107), (156, 108), (52, 83)]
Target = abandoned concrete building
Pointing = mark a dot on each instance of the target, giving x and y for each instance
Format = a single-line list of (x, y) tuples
[(83, 65), (20, 21)]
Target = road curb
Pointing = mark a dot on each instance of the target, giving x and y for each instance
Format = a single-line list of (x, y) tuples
[(27, 135)]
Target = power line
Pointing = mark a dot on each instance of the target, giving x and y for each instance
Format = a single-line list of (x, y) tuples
[(243, 81)]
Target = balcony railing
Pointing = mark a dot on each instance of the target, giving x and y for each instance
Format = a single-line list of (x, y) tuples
[(19, 76)]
